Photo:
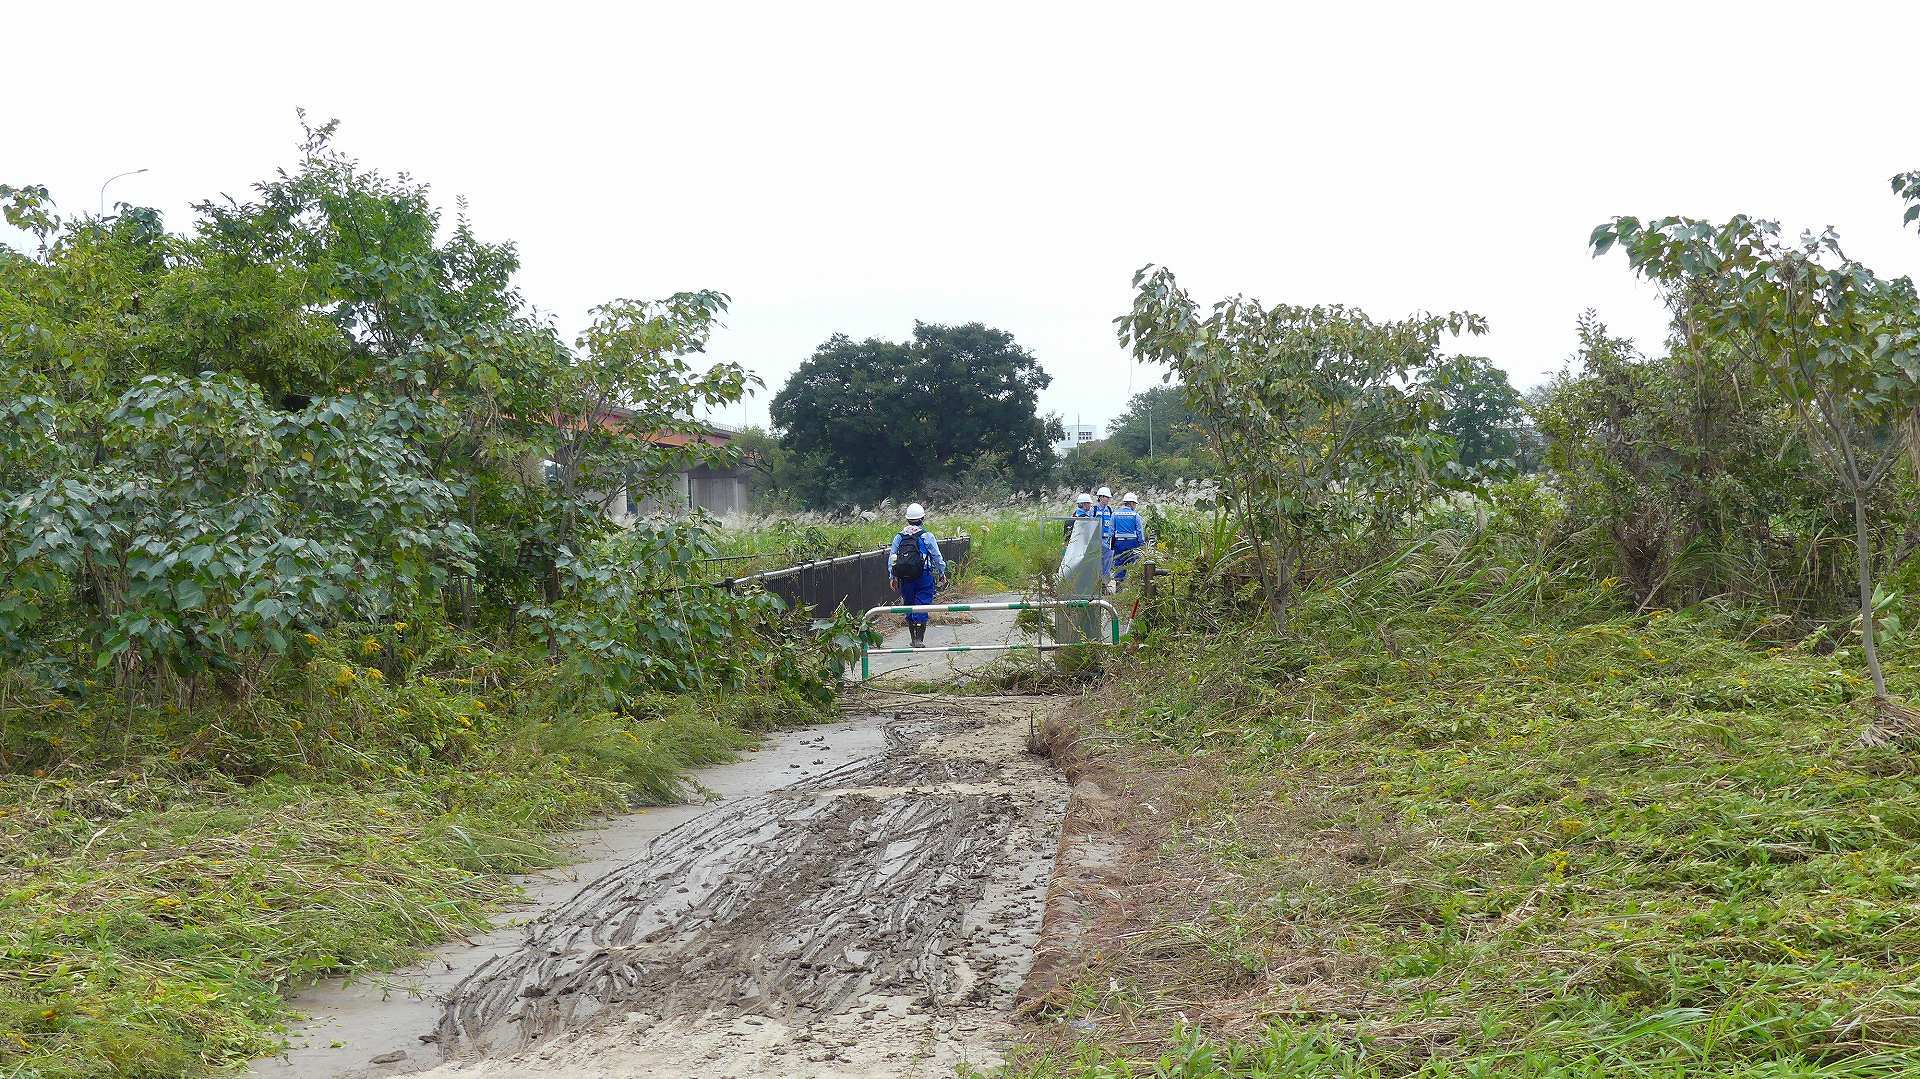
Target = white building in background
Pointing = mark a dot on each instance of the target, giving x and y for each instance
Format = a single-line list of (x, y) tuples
[(1077, 434)]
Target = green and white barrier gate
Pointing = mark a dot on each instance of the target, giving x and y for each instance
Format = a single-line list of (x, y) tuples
[(1113, 617)]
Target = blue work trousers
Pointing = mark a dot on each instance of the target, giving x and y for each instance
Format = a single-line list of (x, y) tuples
[(916, 592)]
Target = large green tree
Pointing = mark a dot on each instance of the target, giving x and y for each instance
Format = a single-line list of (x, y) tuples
[(878, 418), (1481, 410)]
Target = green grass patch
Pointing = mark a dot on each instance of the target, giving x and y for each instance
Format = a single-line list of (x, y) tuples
[(168, 872), (1480, 821)]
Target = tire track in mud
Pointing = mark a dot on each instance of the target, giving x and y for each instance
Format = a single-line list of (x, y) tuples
[(885, 901)]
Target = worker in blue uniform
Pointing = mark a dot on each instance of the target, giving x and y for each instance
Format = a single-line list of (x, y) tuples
[(1129, 535), (1103, 509), (1082, 507), (914, 566)]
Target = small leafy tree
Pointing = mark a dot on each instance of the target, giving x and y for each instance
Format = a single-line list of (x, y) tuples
[(1839, 343), (1324, 420), (1685, 466), (623, 419), (629, 385), (1907, 186)]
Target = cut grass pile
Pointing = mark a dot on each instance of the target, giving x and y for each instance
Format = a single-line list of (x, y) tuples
[(1480, 821), (168, 872)]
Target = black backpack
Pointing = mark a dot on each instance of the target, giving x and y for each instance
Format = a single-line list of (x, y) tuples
[(910, 563)]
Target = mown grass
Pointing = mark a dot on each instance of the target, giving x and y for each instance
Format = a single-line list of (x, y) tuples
[(1473, 817), (169, 871)]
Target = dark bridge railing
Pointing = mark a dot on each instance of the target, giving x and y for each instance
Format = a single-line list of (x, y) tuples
[(855, 581)]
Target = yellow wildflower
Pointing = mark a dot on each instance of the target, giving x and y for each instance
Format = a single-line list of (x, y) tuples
[(311, 638), (375, 674)]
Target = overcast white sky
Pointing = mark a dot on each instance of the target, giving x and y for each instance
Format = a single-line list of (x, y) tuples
[(843, 167)]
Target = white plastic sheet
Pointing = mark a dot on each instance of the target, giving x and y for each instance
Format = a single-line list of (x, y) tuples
[(1079, 578)]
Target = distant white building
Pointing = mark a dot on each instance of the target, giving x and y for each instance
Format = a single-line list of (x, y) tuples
[(1077, 434)]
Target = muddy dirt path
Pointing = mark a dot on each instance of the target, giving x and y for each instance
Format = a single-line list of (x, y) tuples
[(385, 1026), (873, 920)]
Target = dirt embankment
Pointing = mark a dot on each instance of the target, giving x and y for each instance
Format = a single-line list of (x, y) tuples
[(878, 920)]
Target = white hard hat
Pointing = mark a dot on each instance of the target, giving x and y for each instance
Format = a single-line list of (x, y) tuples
[(1129, 497), (916, 512), (1082, 497), (1105, 492)]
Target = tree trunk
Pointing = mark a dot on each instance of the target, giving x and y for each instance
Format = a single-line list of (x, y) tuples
[(1287, 568), (1270, 573), (1242, 500), (1863, 555), (550, 587)]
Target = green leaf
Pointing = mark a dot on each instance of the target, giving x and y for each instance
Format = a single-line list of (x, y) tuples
[(188, 595)]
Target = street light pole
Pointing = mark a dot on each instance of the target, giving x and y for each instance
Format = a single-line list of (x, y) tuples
[(110, 179)]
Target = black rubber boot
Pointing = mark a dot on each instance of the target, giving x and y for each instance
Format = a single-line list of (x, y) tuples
[(918, 631)]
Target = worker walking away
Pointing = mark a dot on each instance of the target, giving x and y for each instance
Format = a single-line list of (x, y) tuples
[(914, 566), (1103, 509), (1129, 535)]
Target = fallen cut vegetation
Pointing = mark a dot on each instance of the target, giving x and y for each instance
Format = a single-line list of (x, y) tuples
[(1472, 816)]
